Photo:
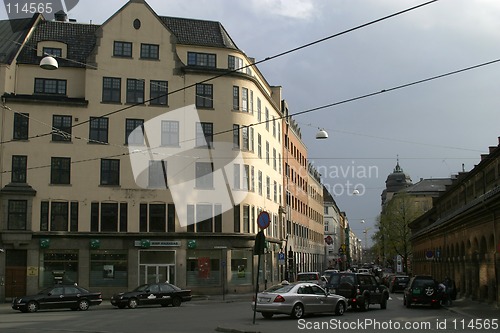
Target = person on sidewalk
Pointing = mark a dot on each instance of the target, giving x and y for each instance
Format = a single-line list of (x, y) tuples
[(449, 285)]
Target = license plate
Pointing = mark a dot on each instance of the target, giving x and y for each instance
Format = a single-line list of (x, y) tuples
[(264, 299), (416, 292)]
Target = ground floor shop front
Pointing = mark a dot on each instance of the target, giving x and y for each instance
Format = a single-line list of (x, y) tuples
[(206, 265)]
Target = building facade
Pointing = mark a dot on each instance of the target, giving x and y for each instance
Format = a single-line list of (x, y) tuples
[(458, 237), (147, 156)]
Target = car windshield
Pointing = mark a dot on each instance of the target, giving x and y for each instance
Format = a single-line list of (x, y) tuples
[(45, 291), (423, 283), (334, 279), (279, 288)]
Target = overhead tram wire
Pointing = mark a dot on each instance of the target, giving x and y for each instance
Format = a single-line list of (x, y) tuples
[(225, 73), (406, 85)]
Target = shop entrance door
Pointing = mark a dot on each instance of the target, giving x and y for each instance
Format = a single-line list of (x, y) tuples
[(157, 273), (15, 273)]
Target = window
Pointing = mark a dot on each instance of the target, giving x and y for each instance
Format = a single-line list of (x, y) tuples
[(236, 98), (267, 119), (50, 86), (204, 175), (19, 168), (108, 268), (251, 139), (246, 177), (158, 174), (111, 89), (274, 159), (259, 110), (268, 187), (170, 133), (135, 91), (150, 51), (259, 182), (267, 153), (237, 218), (110, 172), (275, 191), (204, 96), (98, 130), (21, 125), (60, 170), (246, 218), (202, 59), (251, 101), (244, 135), (61, 128), (259, 146), (108, 217), (204, 135), (17, 214), (133, 136), (274, 127), (59, 216), (244, 99), (237, 176), (157, 217), (236, 136), (235, 63), (122, 49), (52, 51), (158, 92)]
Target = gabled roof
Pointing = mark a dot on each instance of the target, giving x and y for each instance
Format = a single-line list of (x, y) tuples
[(199, 32), (79, 38), (13, 33)]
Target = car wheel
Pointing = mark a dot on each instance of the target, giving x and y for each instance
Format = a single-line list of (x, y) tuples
[(83, 305), (32, 306), (340, 309), (267, 315), (132, 303), (298, 311), (383, 303), (176, 301)]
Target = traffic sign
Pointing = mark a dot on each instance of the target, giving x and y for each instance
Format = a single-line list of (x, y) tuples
[(263, 220)]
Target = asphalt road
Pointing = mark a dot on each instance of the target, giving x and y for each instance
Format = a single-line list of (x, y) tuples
[(234, 316)]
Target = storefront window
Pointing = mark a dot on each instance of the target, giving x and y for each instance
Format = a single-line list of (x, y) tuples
[(58, 267), (108, 269), (241, 267), (203, 268)]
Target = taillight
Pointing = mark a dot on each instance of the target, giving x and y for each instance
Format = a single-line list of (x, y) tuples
[(279, 299)]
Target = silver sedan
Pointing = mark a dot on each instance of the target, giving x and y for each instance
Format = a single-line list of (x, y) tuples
[(297, 300)]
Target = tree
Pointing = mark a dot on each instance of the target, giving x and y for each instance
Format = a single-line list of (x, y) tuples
[(393, 227)]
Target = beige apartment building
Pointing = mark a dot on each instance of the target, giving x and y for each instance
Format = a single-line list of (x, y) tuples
[(148, 155)]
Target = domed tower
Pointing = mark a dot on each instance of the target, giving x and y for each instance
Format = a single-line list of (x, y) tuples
[(395, 182)]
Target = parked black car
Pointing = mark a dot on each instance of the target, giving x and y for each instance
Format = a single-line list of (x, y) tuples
[(58, 297), (152, 294), (422, 289), (360, 289), (398, 283)]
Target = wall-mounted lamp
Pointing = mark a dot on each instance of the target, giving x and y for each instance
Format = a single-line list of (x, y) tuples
[(322, 134), (49, 63)]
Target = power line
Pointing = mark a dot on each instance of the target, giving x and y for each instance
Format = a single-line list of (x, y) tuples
[(225, 73), (356, 98)]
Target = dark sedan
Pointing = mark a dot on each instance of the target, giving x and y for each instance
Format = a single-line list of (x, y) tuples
[(58, 297), (152, 294)]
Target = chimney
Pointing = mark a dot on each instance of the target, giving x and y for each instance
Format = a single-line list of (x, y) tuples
[(60, 16), (484, 156)]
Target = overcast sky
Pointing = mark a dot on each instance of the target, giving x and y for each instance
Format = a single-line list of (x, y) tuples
[(434, 127)]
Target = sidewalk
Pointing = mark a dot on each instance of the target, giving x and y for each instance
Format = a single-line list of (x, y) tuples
[(473, 309)]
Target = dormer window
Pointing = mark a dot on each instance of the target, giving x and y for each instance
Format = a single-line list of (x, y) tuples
[(52, 51)]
